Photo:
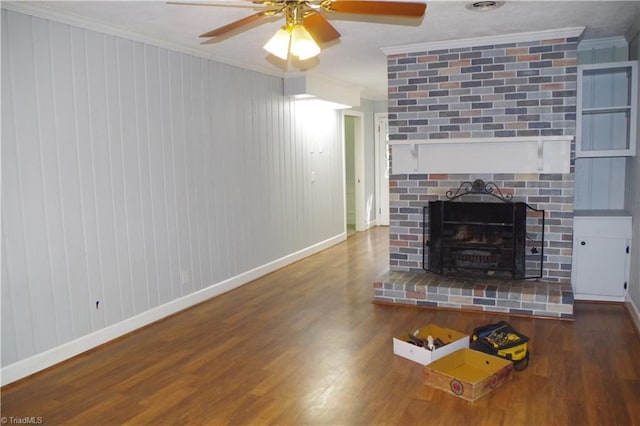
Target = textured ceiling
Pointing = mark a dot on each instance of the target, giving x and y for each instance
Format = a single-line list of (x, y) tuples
[(356, 58)]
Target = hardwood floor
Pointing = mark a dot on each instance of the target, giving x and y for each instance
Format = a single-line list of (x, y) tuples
[(305, 345)]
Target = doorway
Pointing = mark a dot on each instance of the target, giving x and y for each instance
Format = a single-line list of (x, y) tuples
[(353, 143)]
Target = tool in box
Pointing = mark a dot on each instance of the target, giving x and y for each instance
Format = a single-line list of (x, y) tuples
[(502, 340), (429, 343)]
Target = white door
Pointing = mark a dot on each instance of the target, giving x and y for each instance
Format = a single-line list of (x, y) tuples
[(382, 168), (601, 266)]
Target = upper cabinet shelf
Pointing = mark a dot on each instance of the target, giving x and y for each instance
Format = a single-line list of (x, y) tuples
[(607, 102)]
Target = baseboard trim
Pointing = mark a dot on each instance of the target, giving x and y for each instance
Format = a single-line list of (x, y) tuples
[(590, 298), (49, 358), (634, 313)]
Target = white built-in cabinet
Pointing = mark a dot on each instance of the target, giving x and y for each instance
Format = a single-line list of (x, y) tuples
[(601, 257), (607, 102), (605, 121)]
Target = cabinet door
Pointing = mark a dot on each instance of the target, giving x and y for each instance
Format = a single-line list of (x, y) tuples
[(601, 264)]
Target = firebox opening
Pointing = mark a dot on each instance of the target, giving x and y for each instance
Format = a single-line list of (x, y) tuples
[(498, 239)]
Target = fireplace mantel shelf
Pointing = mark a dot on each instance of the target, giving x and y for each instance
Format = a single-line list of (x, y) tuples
[(510, 139), (526, 154)]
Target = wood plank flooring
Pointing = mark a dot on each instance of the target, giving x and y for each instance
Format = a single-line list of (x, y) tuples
[(305, 345)]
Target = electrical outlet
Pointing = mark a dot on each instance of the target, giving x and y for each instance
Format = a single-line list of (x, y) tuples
[(185, 277)]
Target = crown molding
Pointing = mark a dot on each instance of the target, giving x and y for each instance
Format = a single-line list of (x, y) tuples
[(485, 41), (33, 9)]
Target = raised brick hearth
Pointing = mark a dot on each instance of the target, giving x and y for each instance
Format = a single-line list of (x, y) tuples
[(428, 290)]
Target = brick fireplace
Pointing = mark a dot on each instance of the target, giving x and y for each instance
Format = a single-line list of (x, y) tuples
[(450, 107), (550, 192)]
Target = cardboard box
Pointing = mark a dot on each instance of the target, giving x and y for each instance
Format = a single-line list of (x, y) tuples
[(468, 374), (454, 340)]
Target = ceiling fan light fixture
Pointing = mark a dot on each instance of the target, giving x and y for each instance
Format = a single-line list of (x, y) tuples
[(302, 44), (278, 45)]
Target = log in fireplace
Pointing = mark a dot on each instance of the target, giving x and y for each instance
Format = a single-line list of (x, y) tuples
[(493, 236)]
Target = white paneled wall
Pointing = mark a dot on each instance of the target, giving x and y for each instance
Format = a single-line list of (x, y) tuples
[(133, 176)]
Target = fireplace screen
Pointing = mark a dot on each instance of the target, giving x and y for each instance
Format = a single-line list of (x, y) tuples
[(502, 239)]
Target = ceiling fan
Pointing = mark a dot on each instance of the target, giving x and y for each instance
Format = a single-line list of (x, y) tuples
[(305, 25)]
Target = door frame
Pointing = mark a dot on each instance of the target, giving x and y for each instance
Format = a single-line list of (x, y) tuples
[(358, 142), (380, 165)]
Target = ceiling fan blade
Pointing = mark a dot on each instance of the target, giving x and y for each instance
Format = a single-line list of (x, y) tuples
[(388, 8), (319, 28), (239, 23), (215, 4)]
